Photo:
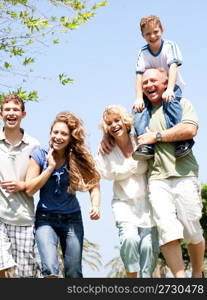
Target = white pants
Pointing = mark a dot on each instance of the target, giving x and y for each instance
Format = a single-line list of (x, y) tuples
[(177, 209)]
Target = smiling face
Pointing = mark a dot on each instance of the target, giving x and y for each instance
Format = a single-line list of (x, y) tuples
[(60, 136), (115, 125), (12, 115), (152, 34), (154, 84)]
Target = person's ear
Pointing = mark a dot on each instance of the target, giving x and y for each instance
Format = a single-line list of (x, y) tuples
[(166, 82), (24, 114)]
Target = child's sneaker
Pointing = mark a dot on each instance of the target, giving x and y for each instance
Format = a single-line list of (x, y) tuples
[(183, 148), (143, 153)]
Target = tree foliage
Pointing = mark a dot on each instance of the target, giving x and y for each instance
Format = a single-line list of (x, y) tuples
[(28, 25), (116, 266), (91, 256)]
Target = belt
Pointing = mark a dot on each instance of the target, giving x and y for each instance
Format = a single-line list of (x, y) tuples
[(47, 215)]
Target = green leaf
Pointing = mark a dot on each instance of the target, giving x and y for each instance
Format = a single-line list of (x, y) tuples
[(7, 65), (17, 51), (100, 4), (28, 61), (64, 79), (29, 42)]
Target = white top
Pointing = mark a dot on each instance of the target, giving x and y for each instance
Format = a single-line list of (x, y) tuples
[(130, 201), (168, 53)]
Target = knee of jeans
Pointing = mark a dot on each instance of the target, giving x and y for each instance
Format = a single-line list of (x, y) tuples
[(150, 247), (146, 243), (150, 242), (129, 250), (129, 241)]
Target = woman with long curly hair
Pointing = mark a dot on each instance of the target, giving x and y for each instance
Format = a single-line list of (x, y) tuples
[(58, 173)]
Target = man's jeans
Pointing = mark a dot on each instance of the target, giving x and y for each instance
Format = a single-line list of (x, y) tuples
[(172, 112), (66, 228)]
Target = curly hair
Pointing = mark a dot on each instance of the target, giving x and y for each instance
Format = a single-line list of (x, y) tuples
[(145, 21), (119, 110), (81, 166)]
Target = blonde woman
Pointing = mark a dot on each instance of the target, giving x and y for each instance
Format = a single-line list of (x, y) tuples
[(58, 173), (132, 212)]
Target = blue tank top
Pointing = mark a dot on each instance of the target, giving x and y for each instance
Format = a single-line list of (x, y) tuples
[(53, 195)]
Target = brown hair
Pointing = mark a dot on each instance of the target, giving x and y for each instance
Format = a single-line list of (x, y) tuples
[(145, 21), (14, 98), (81, 166)]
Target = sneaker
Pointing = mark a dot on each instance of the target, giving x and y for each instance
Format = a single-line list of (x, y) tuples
[(143, 153), (183, 148)]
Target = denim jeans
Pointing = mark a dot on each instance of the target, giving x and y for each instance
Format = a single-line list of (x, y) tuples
[(139, 248), (172, 112), (52, 228)]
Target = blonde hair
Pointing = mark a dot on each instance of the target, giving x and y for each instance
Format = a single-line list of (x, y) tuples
[(162, 71), (145, 21), (81, 167), (126, 117)]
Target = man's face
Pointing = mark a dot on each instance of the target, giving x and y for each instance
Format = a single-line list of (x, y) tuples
[(12, 115), (154, 84)]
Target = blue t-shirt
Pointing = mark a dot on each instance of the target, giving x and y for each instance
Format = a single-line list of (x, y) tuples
[(53, 195)]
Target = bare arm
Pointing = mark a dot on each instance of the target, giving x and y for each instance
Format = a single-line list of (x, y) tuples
[(35, 180), (169, 93), (139, 103), (172, 76), (139, 93), (107, 144), (180, 132), (12, 186), (95, 197)]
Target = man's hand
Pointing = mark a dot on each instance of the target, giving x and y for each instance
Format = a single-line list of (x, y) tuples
[(138, 105), (107, 144), (168, 95), (12, 186), (147, 138)]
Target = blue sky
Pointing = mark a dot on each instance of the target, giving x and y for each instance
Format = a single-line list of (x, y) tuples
[(101, 57)]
